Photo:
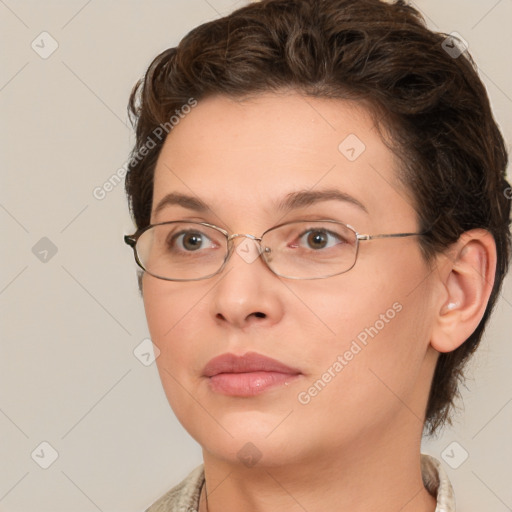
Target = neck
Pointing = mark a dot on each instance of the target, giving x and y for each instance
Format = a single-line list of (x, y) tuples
[(366, 476)]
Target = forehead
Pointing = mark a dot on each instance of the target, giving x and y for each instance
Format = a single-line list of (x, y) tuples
[(249, 155)]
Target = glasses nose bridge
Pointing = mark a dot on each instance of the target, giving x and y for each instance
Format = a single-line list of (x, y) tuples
[(230, 245), (245, 235)]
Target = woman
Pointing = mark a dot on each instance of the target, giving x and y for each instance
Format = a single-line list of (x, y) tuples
[(323, 224)]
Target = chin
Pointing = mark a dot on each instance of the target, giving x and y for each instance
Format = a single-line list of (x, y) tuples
[(229, 433), (250, 451)]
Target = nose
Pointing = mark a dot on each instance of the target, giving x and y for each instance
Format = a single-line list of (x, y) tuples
[(248, 291)]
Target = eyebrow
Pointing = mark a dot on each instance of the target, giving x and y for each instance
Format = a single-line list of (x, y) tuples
[(305, 198), (292, 201)]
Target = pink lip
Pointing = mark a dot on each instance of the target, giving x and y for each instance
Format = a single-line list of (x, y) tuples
[(246, 375)]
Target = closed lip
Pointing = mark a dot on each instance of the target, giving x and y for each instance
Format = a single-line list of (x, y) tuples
[(248, 363)]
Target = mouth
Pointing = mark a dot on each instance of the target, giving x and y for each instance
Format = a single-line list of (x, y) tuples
[(247, 375)]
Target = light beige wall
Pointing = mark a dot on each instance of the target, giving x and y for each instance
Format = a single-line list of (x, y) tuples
[(69, 325)]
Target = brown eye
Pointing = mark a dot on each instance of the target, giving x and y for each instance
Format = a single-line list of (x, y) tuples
[(192, 241), (317, 239), (188, 241)]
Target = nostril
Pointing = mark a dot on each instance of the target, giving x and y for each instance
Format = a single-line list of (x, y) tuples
[(260, 315)]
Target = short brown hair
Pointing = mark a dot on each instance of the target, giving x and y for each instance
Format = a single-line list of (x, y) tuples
[(432, 103)]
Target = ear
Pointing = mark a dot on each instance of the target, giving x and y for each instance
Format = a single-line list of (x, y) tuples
[(467, 273)]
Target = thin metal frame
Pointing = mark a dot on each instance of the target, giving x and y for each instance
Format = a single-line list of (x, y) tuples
[(131, 240)]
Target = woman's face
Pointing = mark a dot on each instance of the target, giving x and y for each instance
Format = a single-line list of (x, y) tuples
[(358, 342)]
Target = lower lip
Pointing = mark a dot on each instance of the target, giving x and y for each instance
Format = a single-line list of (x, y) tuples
[(248, 384)]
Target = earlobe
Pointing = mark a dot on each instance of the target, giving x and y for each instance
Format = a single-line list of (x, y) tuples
[(467, 278)]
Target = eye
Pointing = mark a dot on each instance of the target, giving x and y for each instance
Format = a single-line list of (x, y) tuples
[(190, 241), (320, 238)]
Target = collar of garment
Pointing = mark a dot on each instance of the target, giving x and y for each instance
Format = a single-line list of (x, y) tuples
[(185, 496), (437, 483)]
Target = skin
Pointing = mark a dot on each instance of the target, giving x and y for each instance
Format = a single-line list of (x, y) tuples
[(356, 445)]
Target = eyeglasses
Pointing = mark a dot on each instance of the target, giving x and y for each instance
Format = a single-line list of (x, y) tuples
[(191, 251)]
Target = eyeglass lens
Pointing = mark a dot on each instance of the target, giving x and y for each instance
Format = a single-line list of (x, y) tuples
[(301, 249)]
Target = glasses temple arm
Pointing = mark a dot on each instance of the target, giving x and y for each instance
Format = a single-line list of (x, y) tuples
[(130, 240), (391, 235)]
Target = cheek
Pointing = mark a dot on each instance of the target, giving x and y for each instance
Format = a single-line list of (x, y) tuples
[(171, 313), (376, 334), (170, 318), (170, 308), (363, 381)]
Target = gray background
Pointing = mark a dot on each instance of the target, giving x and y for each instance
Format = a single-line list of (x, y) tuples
[(71, 319)]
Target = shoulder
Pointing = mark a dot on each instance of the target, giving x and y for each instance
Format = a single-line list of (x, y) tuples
[(184, 497)]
